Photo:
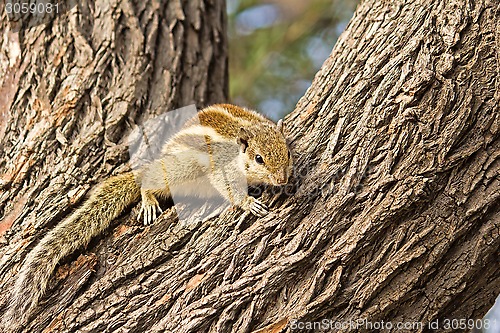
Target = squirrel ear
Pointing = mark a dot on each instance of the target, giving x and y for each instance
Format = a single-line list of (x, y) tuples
[(244, 133), (281, 126), (243, 139)]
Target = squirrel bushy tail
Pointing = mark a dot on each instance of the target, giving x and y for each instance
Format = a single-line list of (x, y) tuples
[(76, 231)]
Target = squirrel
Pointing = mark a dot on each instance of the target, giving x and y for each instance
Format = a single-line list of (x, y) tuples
[(223, 143)]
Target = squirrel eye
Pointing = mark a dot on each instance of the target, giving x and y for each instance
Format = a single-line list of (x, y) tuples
[(259, 159)]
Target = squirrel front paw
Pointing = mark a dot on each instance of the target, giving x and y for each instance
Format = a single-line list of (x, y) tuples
[(149, 209), (255, 206)]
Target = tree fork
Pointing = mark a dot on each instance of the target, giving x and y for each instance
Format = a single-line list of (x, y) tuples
[(395, 215)]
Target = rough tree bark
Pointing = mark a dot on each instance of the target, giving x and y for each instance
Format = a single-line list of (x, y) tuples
[(395, 214), (70, 92)]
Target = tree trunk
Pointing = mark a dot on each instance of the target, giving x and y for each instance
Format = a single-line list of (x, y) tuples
[(395, 217), (70, 92)]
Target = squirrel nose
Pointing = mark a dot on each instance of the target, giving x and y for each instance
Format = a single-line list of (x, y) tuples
[(282, 179)]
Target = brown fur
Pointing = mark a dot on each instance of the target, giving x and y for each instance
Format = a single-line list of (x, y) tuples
[(76, 231), (230, 130)]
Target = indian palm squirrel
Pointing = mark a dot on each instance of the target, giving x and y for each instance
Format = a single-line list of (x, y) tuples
[(223, 142)]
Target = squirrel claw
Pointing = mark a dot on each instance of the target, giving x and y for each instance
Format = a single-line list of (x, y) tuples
[(150, 208), (257, 208), (149, 212)]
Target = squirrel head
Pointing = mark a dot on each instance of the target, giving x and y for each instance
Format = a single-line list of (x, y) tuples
[(266, 157)]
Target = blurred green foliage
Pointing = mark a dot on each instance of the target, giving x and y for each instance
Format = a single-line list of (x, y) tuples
[(276, 47)]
